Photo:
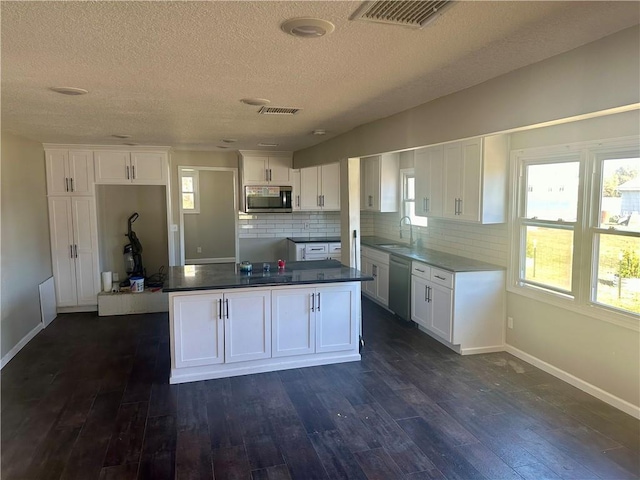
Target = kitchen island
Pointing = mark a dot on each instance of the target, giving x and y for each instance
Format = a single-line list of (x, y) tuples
[(224, 322)]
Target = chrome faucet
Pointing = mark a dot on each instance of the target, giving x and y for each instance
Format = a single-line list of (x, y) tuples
[(410, 229)]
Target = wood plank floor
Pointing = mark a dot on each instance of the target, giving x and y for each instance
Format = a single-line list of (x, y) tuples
[(89, 398)]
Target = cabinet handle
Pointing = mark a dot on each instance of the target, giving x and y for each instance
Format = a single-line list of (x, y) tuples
[(127, 167), (219, 302), (375, 271), (226, 302), (426, 204), (426, 290), (133, 172), (75, 250), (297, 200), (438, 276), (313, 302), (70, 251), (322, 204), (429, 296), (318, 301), (418, 270), (459, 206), (73, 189), (66, 184)]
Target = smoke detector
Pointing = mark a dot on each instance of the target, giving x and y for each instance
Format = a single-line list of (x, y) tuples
[(307, 27)]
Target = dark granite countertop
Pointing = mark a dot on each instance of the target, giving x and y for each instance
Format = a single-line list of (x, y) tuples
[(213, 277), (314, 239), (445, 261)]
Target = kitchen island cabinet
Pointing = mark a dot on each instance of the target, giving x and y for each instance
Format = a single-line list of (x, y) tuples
[(226, 323)]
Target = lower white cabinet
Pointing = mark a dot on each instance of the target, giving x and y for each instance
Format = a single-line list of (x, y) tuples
[(465, 310), (74, 250), (301, 252), (376, 263), (222, 333)]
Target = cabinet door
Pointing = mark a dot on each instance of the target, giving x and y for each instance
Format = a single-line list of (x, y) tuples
[(336, 319), (420, 307), (280, 170), (330, 181), (112, 167), (470, 181), (382, 283), (57, 172), (309, 193), (428, 171), (198, 330), (295, 191), (62, 255), (368, 288), (452, 173), (254, 169), (441, 311), (81, 172), (247, 326), (149, 168), (85, 250), (293, 327), (370, 200)]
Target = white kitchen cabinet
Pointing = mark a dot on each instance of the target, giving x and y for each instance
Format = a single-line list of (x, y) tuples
[(464, 180), (69, 172), (74, 250), (337, 326), (376, 264), (465, 310), (293, 327), (380, 182), (428, 167), (247, 325), (302, 252), (198, 330), (138, 168), (265, 168), (320, 187), (295, 190)]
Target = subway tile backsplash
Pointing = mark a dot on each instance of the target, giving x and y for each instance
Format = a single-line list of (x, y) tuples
[(275, 225)]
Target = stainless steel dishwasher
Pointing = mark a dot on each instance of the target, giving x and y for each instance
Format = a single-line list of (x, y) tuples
[(400, 286)]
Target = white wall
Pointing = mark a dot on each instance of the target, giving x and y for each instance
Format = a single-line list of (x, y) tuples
[(597, 77), (25, 249)]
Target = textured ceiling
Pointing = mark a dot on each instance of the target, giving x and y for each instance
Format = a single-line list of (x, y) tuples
[(172, 73)]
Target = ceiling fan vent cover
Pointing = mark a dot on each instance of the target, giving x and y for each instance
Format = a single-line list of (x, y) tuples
[(278, 111), (415, 14)]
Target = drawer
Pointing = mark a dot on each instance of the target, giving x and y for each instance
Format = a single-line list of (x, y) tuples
[(316, 249), (442, 277), (335, 248), (421, 270), (375, 255)]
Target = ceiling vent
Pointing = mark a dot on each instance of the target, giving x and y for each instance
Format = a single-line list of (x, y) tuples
[(415, 14), (278, 111)]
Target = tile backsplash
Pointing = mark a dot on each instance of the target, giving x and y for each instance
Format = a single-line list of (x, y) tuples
[(275, 225)]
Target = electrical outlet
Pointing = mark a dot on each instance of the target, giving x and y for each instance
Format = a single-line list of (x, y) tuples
[(510, 322), (174, 227), (306, 225), (199, 250)]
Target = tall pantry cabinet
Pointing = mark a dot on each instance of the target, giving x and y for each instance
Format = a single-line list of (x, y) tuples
[(73, 226)]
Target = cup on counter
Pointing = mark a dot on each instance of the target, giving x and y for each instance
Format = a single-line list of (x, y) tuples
[(266, 267), (281, 264)]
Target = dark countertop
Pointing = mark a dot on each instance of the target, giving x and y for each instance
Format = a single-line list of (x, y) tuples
[(314, 239), (213, 277), (445, 261)]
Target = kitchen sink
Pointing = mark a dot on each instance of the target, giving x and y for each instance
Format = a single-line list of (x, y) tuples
[(392, 245)]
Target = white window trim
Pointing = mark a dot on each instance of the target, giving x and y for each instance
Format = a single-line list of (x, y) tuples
[(582, 302), (420, 219), (196, 190)]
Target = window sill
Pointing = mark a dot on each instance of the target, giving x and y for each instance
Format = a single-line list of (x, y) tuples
[(630, 321)]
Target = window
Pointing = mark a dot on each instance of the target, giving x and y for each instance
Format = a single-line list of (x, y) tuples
[(189, 190), (576, 234), (409, 197)]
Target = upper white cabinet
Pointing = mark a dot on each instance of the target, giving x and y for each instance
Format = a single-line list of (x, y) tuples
[(69, 172), (380, 181), (295, 190), (320, 187), (464, 180), (265, 168), (124, 167), (429, 164)]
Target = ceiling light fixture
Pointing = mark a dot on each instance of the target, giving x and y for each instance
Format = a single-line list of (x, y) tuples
[(307, 27), (222, 146), (319, 131), (69, 90), (255, 101), (131, 144), (229, 140), (118, 135), (262, 144)]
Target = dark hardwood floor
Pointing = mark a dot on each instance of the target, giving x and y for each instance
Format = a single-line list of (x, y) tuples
[(89, 398)]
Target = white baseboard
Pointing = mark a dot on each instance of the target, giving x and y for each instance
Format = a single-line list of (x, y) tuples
[(478, 350), (597, 392), (20, 345)]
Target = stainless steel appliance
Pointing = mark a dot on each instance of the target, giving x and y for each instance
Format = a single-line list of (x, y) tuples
[(400, 287), (267, 199)]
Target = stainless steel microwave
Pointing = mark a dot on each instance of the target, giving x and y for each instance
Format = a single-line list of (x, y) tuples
[(267, 199)]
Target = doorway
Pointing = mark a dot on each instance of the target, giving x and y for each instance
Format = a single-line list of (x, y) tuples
[(208, 215)]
